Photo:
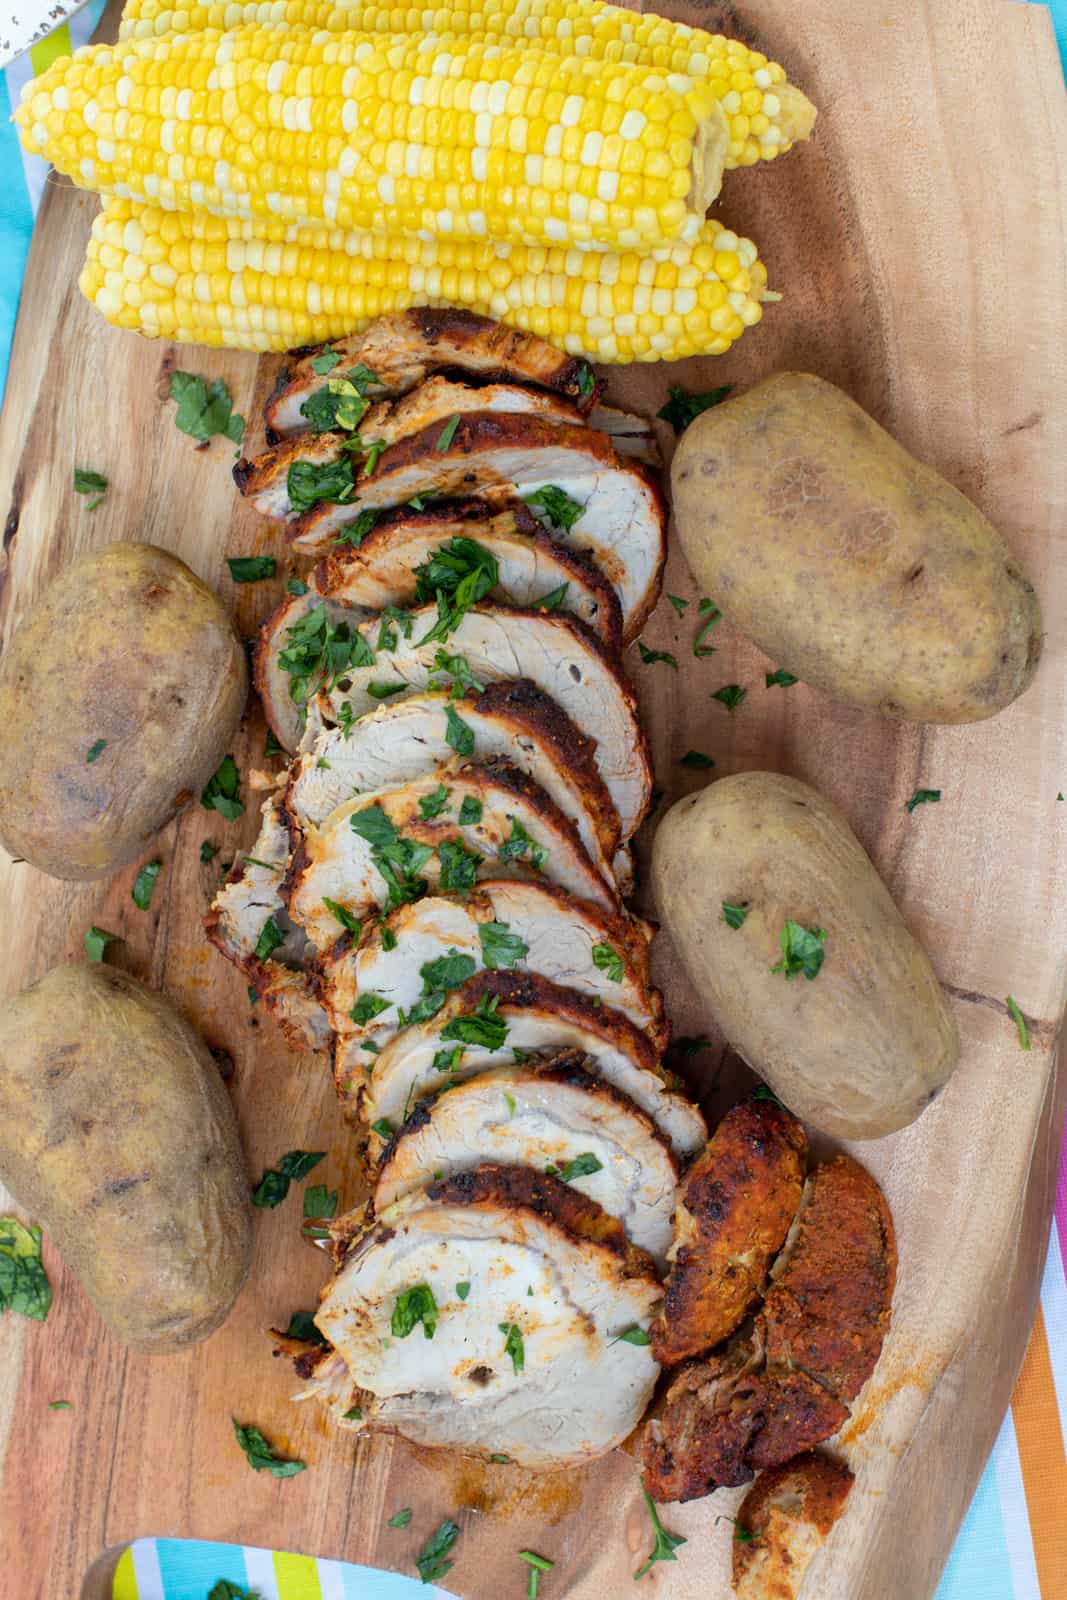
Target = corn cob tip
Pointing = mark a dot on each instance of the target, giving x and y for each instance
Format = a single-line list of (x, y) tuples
[(796, 115), (710, 150)]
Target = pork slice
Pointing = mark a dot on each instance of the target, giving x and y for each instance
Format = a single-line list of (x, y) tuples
[(288, 716), (621, 527), (525, 1361), (542, 1019), (555, 653), (782, 1523), (518, 829), (407, 738), (403, 350), (564, 939), (555, 1117)]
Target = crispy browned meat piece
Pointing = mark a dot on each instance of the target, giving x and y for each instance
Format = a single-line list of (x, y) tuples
[(828, 1310), (786, 1385), (782, 1522), (734, 1211), (723, 1419)]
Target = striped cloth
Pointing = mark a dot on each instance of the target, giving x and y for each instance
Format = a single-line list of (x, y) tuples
[(1013, 1543), (187, 1569)]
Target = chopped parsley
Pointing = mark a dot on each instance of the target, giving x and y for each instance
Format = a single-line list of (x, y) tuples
[(384, 691), (325, 362), (733, 915), (459, 734), (665, 1544), (93, 483), (681, 408), (355, 532), (1019, 1021), (223, 791), (802, 950), (650, 657), (367, 1007), (431, 1559), (392, 618), (459, 867), (341, 404), (690, 1046), (144, 884), (400, 1519), (552, 600), (779, 679), (470, 812), (302, 1326), (762, 1092), (481, 1026), (273, 1187), (97, 940), (204, 410), (457, 575), (311, 483), (208, 851), (344, 917), (518, 846), (730, 696), (438, 977), (513, 1345), (922, 797), (320, 1204), (463, 1290), (582, 1166), (697, 761), (24, 1285), (607, 960), (459, 669), (271, 747), (95, 751), (60, 1405), (586, 380), (399, 860), (634, 1335), (448, 1061), (680, 605), (251, 569), (412, 1307), (554, 507), (262, 1456), (296, 586), (501, 947), (711, 615), (431, 805), (372, 451), (383, 1129)]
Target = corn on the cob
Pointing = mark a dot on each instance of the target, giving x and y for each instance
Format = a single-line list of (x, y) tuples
[(765, 114), (219, 281), (446, 136)]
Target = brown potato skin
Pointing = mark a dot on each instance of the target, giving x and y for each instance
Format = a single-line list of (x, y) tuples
[(860, 1050), (852, 564), (117, 1135), (129, 646)]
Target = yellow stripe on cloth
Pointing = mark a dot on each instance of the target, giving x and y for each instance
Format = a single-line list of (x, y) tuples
[(298, 1577), (49, 49), (124, 1583)]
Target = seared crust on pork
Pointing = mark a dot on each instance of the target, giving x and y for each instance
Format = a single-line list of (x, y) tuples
[(783, 1521), (734, 1210)]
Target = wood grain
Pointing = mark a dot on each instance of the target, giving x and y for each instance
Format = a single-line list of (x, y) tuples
[(921, 274)]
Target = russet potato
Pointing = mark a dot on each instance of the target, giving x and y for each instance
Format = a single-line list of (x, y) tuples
[(858, 1050), (852, 564)]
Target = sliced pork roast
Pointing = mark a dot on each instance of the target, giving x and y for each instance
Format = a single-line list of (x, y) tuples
[(787, 1384), (376, 851), (248, 923), (554, 1116), (598, 503), (493, 643), (542, 1019), (408, 738), (735, 1207), (484, 1314), (782, 1523), (529, 927), (402, 351)]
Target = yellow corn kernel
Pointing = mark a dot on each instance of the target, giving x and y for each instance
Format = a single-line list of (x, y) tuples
[(265, 286), (586, 27), (343, 158)]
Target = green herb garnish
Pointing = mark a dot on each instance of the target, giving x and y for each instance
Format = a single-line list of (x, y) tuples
[(665, 1544), (324, 363), (779, 679), (681, 408), (650, 657), (481, 1026), (582, 1166), (730, 696), (94, 751), (223, 791), (144, 884), (312, 483), (634, 1335), (412, 1307), (302, 1326), (501, 947), (97, 940), (607, 960), (448, 433), (251, 569), (271, 936), (296, 586), (204, 410), (430, 1561), (697, 761), (208, 851), (367, 1007), (513, 1345), (463, 1290), (93, 483), (400, 1519), (518, 846), (383, 1129), (1019, 1021), (262, 1456), (457, 575), (552, 600), (431, 805), (344, 917), (537, 1564), (802, 950), (711, 615), (680, 605), (733, 915), (922, 797), (354, 533), (554, 507), (470, 812), (273, 1187), (459, 734), (24, 1285)]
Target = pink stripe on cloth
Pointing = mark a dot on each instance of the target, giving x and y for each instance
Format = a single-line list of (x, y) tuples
[(1059, 1209)]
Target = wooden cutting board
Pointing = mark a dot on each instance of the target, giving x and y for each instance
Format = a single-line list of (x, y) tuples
[(919, 245)]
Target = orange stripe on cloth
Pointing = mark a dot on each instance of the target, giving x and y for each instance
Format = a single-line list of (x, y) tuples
[(1044, 1466)]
